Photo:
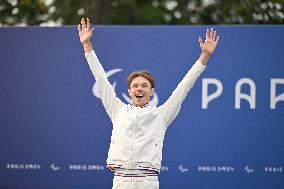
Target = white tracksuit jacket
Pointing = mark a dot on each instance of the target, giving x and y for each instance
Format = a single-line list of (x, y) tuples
[(138, 133)]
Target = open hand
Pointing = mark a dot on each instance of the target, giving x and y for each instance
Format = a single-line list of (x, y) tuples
[(211, 42), (85, 33)]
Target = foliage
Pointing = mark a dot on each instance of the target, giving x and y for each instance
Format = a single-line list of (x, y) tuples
[(146, 12)]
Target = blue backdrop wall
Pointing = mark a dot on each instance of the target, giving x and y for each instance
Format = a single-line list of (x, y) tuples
[(54, 132)]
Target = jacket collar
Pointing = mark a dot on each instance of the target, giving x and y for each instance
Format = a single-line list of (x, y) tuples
[(144, 106)]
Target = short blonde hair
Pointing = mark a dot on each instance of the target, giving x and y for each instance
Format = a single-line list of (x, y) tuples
[(144, 73)]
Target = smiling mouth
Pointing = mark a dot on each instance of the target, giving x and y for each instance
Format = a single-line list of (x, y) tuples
[(139, 96)]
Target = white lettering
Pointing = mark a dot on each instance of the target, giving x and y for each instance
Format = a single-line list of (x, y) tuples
[(238, 95), (207, 98), (87, 167), (22, 166), (273, 98), (207, 168), (273, 169)]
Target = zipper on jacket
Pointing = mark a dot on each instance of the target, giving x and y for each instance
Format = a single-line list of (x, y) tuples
[(134, 133)]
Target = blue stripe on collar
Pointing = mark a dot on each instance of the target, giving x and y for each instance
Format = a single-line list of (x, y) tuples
[(143, 106)]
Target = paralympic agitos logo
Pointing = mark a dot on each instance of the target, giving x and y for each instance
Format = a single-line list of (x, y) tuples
[(109, 73)]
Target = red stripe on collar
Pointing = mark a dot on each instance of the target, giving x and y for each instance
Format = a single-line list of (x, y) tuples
[(144, 106)]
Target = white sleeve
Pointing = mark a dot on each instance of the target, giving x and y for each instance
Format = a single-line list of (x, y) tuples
[(107, 93), (171, 107)]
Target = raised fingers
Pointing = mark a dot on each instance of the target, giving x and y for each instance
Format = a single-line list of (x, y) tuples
[(207, 34), (211, 33), (214, 35), (200, 40), (201, 43), (79, 28), (88, 23), (83, 23), (217, 39)]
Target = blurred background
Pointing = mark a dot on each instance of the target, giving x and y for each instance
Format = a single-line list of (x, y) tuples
[(140, 12)]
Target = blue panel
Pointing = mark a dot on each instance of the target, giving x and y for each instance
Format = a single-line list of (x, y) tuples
[(54, 133)]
